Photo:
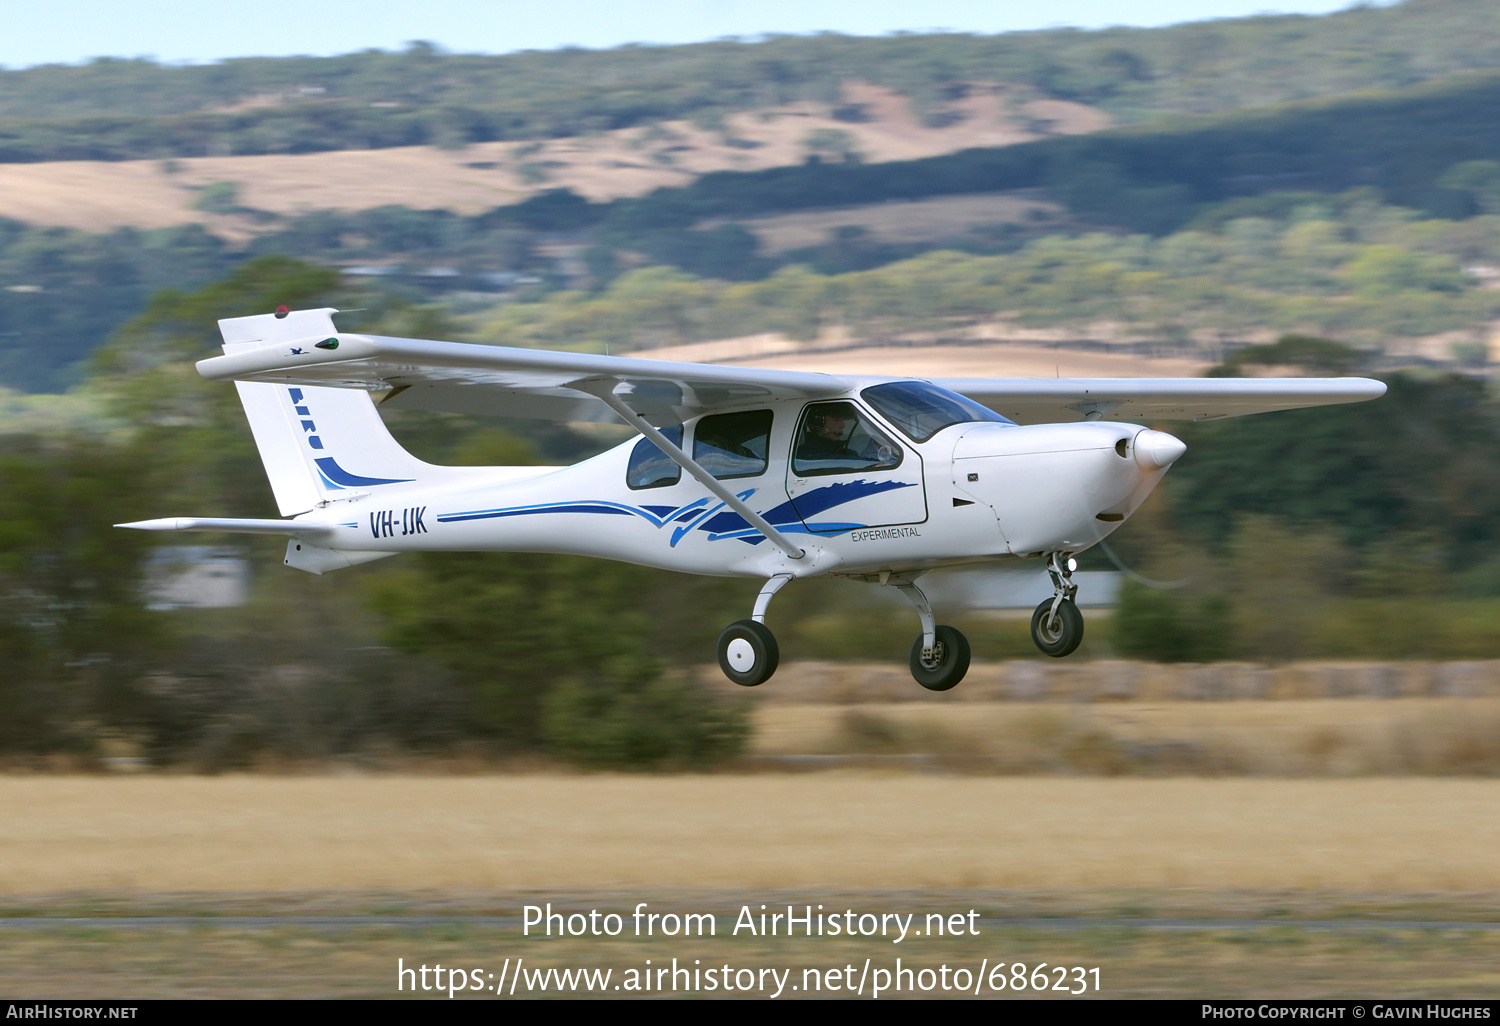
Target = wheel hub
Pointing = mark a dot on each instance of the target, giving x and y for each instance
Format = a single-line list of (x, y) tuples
[(741, 655)]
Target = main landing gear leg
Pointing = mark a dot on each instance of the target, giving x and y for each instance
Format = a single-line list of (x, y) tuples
[(940, 655), (748, 653), (1057, 625)]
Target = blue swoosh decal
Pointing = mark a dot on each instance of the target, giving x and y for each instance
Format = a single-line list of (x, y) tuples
[(806, 505), (338, 475), (754, 537), (717, 522), (658, 516), (552, 507), (819, 500)]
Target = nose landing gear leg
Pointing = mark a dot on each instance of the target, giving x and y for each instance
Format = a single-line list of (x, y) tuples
[(1057, 625), (940, 655)]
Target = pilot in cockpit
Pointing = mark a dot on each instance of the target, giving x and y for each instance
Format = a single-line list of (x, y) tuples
[(826, 434)]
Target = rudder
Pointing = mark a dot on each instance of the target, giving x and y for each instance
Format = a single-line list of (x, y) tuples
[(317, 444)]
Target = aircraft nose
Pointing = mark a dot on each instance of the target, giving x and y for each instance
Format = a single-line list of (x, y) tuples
[(1157, 449)]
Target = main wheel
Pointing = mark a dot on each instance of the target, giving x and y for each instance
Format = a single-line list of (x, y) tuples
[(949, 662), (1060, 635), (748, 653)]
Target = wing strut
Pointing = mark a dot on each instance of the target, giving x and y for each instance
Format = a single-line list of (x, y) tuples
[(606, 392)]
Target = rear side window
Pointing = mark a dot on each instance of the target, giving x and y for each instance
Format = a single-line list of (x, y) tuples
[(652, 468), (733, 444)]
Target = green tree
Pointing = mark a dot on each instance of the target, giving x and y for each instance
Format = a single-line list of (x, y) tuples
[(554, 650), (74, 634), (218, 198), (1422, 458), (832, 144), (1388, 270), (626, 715), (1480, 179), (1315, 355), (1166, 626)]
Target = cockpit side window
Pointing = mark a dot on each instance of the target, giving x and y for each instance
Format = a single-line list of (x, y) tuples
[(733, 444), (652, 468), (920, 410), (835, 438)]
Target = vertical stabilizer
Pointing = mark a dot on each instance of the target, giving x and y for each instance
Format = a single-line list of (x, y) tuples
[(317, 444)]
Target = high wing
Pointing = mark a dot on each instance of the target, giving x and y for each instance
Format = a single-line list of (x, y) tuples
[(465, 378), (1050, 400), (458, 377)]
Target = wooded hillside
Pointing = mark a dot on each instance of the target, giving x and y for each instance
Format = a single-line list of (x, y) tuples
[(113, 109)]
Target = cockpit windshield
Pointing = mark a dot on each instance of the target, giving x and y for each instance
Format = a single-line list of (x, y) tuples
[(921, 410)]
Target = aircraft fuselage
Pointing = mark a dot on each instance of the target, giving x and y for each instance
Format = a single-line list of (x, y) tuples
[(972, 491)]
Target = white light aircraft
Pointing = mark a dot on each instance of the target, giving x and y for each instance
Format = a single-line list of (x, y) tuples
[(768, 474)]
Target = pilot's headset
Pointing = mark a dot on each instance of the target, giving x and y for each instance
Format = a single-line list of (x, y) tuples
[(842, 412)]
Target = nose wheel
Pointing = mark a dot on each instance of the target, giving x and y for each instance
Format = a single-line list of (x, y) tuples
[(1057, 632), (1057, 625)]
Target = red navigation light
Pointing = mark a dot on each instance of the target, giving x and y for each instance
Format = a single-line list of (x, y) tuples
[(283, 310)]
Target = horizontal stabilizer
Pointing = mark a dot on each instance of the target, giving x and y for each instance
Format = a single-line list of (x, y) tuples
[(228, 524)]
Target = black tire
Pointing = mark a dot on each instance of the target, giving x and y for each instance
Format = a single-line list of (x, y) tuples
[(952, 662), (1062, 637), (748, 653)]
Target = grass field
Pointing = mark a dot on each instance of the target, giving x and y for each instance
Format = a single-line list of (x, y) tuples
[(1058, 870), (1302, 738), (859, 831), (1275, 959)]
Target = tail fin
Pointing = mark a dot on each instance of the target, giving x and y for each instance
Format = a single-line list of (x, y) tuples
[(317, 444)]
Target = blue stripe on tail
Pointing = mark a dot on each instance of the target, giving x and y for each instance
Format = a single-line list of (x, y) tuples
[(338, 475)]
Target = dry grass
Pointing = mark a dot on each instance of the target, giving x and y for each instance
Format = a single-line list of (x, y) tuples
[(95, 195), (863, 831), (1278, 961), (1331, 737)]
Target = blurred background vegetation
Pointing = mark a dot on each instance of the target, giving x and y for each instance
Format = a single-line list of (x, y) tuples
[(1282, 194)]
